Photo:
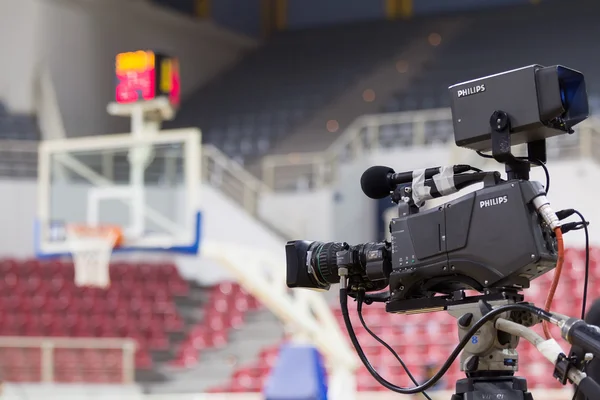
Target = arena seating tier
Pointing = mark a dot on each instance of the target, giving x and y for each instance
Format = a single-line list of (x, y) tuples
[(16, 161), (427, 339), (280, 85), (17, 126), (496, 41), (227, 306), (39, 299)]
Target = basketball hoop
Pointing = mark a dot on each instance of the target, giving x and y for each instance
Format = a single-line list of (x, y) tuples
[(91, 248)]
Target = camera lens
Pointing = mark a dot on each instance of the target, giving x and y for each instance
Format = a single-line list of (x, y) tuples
[(311, 264), (323, 262)]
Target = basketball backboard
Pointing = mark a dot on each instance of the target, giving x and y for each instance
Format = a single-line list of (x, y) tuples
[(149, 185)]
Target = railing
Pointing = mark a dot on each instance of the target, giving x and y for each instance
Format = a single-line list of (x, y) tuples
[(392, 130), (231, 179), (47, 359), (18, 158), (315, 170)]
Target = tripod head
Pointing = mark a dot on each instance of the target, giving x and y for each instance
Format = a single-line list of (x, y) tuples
[(490, 358)]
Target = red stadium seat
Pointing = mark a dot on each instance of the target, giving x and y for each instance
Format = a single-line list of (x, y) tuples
[(143, 360), (42, 300), (188, 354)]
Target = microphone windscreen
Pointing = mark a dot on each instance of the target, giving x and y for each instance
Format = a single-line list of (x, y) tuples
[(374, 182)]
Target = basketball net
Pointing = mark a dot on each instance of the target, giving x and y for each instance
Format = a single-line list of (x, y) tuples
[(91, 248)]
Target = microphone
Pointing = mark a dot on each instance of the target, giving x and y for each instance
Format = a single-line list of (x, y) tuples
[(377, 182)]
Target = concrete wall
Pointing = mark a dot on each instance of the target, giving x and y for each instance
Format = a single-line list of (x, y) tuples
[(307, 215), (18, 49)]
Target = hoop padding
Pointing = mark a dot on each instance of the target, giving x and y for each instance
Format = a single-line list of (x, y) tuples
[(91, 248)]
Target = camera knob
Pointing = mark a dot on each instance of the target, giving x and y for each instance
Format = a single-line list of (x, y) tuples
[(499, 121), (465, 320), (472, 364)]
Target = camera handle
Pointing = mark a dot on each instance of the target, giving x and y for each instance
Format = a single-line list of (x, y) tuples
[(516, 168), (490, 359)]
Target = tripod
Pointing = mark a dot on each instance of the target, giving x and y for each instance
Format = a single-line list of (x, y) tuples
[(490, 359)]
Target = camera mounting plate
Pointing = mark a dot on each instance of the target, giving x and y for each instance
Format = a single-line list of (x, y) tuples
[(440, 303)]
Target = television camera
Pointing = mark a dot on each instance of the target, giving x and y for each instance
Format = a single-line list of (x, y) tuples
[(494, 240)]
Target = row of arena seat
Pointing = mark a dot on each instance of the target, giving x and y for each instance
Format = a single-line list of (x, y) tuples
[(15, 126), (264, 98), (468, 56), (39, 299), (118, 271), (427, 339), (35, 305), (69, 365), (226, 309)]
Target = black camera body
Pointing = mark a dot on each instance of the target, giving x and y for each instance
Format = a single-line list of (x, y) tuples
[(490, 239)]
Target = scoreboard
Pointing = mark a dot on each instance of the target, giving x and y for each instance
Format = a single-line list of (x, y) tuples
[(146, 75)]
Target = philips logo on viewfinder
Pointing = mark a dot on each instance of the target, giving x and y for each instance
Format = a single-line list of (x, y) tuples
[(472, 90)]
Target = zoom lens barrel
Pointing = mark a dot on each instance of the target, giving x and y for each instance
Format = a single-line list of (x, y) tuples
[(314, 265), (311, 265), (324, 262)]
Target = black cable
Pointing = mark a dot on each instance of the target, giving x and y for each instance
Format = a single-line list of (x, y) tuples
[(480, 154), (586, 279), (545, 168), (475, 169), (359, 304), (432, 381), (587, 263)]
